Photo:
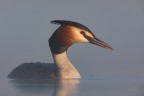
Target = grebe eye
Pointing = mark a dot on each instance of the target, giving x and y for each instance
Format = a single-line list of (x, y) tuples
[(82, 32)]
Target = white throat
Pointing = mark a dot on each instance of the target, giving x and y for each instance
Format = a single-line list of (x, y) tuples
[(65, 69)]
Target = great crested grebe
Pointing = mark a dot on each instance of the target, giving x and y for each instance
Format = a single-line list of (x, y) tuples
[(67, 34)]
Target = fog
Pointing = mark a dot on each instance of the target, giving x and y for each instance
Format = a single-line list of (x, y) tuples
[(25, 29)]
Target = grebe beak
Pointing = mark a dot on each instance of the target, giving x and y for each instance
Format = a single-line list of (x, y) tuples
[(100, 43), (94, 40)]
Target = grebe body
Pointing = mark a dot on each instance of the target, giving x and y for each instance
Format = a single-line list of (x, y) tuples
[(67, 34)]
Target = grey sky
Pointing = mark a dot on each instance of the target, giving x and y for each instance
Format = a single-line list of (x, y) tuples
[(25, 29)]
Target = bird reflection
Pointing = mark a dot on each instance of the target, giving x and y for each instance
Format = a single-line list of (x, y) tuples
[(67, 87)]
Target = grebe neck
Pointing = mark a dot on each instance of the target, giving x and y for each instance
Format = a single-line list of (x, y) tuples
[(65, 69)]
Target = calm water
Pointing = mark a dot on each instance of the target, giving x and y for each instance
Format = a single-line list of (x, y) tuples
[(25, 29), (83, 87)]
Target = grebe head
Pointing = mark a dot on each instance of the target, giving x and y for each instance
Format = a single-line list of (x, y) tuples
[(72, 32)]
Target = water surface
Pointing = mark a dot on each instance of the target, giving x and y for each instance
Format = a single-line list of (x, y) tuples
[(83, 87)]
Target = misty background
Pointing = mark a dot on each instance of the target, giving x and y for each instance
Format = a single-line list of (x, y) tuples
[(25, 29)]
